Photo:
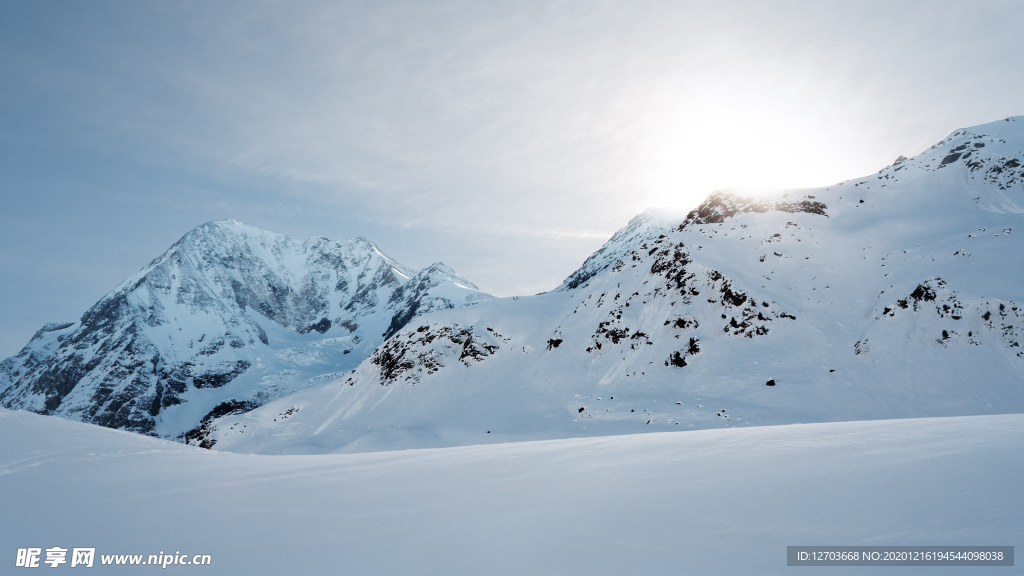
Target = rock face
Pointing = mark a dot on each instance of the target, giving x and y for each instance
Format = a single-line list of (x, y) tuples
[(896, 295), (230, 317)]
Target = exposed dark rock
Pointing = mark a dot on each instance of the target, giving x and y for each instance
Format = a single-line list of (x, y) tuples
[(950, 159), (720, 206), (923, 292), (224, 373), (693, 348), (322, 327), (201, 435)]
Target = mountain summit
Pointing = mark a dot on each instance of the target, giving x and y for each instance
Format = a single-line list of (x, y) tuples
[(228, 318)]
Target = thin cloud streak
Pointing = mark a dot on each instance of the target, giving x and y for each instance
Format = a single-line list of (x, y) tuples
[(450, 225)]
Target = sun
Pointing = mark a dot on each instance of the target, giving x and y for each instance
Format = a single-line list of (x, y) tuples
[(757, 145)]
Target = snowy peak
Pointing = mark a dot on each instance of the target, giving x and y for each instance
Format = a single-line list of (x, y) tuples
[(440, 273), (436, 287), (294, 283), (655, 222), (982, 165), (227, 318), (648, 224)]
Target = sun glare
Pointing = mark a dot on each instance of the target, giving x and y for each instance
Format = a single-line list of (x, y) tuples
[(755, 141)]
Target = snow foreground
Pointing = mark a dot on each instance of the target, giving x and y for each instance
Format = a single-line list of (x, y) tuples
[(703, 502), (898, 295)]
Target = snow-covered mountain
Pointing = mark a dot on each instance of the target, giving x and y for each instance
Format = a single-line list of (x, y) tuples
[(230, 317), (900, 294)]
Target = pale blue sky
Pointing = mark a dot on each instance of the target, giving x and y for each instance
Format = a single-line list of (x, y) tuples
[(506, 139)]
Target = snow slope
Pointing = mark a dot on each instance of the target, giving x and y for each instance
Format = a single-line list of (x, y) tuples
[(228, 318), (705, 502), (897, 295)]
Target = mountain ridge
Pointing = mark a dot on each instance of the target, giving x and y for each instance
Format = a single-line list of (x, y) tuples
[(877, 297), (889, 296), (197, 317)]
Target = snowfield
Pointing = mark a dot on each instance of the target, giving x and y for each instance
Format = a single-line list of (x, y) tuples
[(702, 502)]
